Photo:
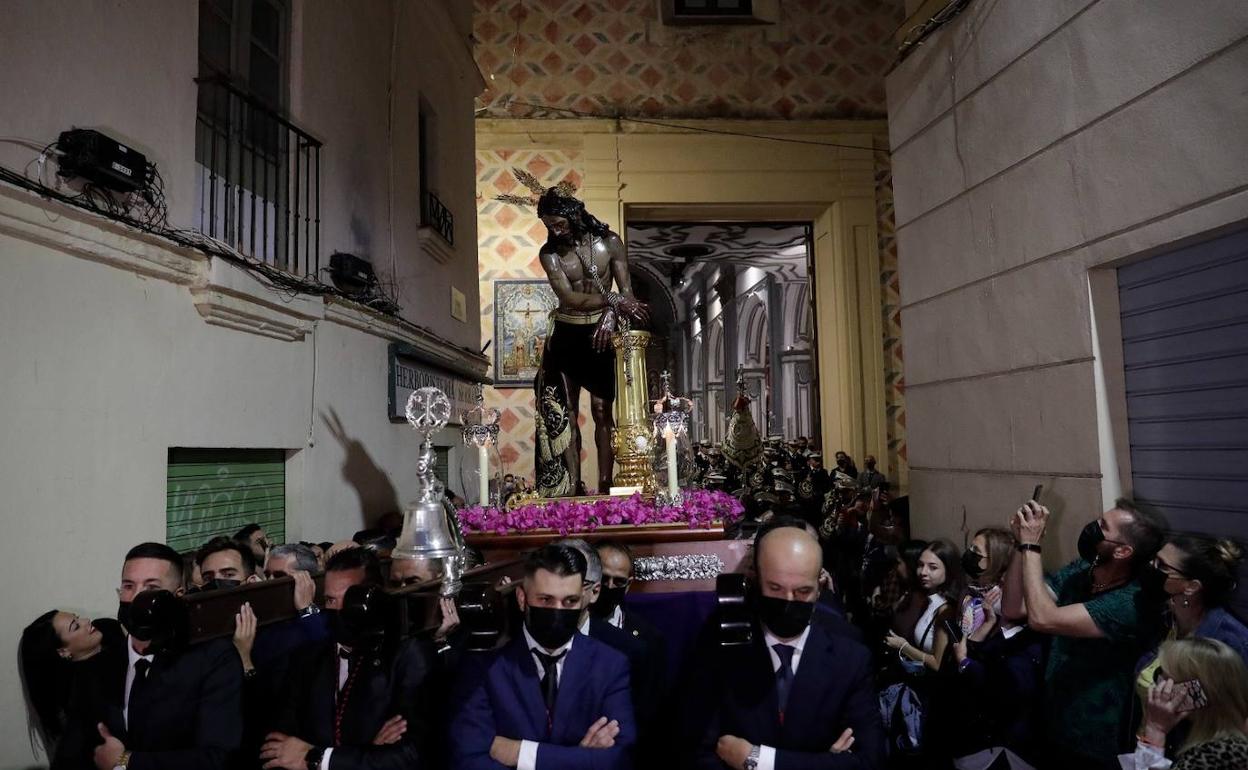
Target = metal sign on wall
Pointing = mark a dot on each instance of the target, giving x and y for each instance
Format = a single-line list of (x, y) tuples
[(408, 372)]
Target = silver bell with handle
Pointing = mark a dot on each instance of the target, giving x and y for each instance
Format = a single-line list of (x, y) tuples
[(430, 524)]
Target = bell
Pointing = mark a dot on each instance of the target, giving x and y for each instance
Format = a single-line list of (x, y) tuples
[(430, 525), (427, 532)]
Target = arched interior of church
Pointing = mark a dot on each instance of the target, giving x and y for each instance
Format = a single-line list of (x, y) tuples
[(624, 384)]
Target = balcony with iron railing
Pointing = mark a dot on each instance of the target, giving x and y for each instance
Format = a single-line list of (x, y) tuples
[(258, 178), (437, 227)]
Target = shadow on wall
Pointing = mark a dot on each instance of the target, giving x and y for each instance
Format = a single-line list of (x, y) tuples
[(372, 485)]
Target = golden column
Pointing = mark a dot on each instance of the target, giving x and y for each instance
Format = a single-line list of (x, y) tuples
[(633, 440)]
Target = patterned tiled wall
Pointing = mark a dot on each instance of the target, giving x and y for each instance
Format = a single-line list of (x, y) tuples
[(825, 59), (508, 242), (508, 239), (890, 293)]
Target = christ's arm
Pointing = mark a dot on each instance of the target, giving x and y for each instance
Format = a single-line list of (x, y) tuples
[(569, 298)]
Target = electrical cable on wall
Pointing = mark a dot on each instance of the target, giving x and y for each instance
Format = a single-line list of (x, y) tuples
[(685, 127), (312, 400), (914, 37), (146, 211)]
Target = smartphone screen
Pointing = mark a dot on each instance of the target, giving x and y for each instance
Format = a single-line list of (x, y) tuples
[(953, 629), (1191, 695)]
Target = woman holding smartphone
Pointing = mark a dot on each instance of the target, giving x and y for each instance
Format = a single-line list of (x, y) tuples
[(1202, 684), (1196, 575), (940, 579), (1000, 669)]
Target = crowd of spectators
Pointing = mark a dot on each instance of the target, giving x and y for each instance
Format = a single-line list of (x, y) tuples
[(868, 649)]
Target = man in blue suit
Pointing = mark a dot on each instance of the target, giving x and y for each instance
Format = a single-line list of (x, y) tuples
[(551, 699), (801, 695)]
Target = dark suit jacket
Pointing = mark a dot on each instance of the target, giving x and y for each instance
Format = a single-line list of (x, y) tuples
[(189, 717), (646, 667), (499, 693), (652, 640), (388, 684), (734, 693), (829, 613)]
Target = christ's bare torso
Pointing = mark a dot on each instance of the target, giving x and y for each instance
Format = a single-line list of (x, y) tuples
[(590, 251)]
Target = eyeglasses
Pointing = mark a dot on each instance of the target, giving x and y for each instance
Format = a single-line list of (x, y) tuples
[(609, 581), (1168, 570)]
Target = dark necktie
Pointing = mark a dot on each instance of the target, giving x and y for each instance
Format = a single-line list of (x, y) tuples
[(784, 675), (141, 667), (550, 680)]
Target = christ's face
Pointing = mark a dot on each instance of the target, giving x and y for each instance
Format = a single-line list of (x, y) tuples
[(558, 226)]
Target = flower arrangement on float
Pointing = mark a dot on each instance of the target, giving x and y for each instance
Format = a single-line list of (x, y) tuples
[(699, 509)]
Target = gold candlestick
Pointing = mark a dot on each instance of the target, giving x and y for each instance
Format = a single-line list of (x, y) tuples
[(633, 432)]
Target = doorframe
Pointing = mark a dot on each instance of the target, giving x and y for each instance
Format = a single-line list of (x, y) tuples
[(822, 172)]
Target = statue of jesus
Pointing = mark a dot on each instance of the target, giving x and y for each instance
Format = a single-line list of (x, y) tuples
[(582, 257)]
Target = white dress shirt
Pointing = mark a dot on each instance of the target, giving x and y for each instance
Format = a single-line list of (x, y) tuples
[(617, 617), (135, 657), (767, 754), (527, 760)]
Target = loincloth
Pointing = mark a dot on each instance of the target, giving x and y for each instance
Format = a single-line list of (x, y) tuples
[(569, 351)]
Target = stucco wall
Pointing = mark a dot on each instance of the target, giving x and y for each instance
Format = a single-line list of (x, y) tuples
[(108, 356), (105, 370), (1031, 142), (130, 74)]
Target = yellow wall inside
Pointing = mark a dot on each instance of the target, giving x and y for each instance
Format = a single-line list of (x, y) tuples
[(824, 172)]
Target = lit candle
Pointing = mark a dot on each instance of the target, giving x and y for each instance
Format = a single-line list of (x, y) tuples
[(483, 475), (670, 438)]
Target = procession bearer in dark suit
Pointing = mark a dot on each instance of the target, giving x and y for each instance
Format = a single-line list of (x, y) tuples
[(358, 700), (552, 698), (617, 576), (156, 704), (799, 696)]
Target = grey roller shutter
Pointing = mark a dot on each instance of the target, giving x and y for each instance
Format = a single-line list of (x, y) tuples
[(1185, 355)]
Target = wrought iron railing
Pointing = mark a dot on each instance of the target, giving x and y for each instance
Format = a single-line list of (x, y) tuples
[(436, 215), (259, 179)]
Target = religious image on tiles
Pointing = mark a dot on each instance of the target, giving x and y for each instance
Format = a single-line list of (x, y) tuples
[(521, 324)]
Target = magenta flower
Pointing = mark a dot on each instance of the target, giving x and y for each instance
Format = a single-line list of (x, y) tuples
[(700, 509)]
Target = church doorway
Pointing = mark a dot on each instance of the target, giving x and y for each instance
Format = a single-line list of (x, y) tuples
[(732, 299)]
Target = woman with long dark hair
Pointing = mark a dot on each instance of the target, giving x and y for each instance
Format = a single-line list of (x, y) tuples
[(56, 652), (940, 578)]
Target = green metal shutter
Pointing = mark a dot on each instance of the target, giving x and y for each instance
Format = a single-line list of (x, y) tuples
[(217, 491)]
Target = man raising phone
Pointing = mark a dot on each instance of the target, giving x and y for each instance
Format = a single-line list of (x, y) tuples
[(1101, 617)]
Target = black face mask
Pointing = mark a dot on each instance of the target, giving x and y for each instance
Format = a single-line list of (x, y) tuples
[(123, 615), (552, 627), (608, 600), (786, 619), (970, 564), (218, 584), (1089, 539)]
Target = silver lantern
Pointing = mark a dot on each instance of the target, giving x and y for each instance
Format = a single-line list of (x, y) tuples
[(430, 525)]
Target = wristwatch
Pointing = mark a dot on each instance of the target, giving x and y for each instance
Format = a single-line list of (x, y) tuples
[(309, 611), (1024, 547), (313, 757), (123, 761), (751, 762)]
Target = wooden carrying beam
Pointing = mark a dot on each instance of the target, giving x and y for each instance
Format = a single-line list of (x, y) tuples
[(212, 612)]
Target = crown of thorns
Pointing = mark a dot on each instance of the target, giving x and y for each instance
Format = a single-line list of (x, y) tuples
[(564, 189)]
